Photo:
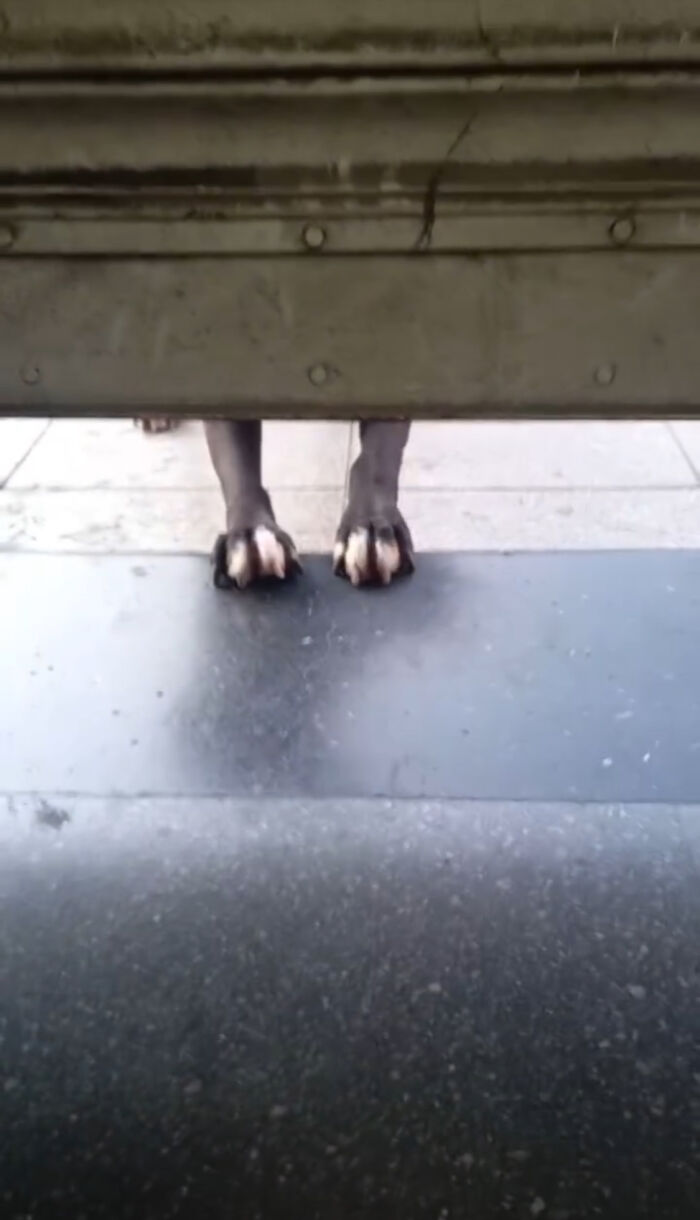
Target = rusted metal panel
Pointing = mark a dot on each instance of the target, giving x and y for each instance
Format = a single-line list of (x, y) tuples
[(159, 35), (527, 334)]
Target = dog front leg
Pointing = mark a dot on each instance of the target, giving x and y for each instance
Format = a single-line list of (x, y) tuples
[(374, 544), (253, 547)]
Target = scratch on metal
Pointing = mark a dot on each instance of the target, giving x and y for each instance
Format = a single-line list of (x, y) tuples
[(429, 201), (488, 42)]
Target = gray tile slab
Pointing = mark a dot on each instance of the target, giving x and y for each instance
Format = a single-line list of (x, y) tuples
[(175, 520), (528, 676), (17, 437), (687, 433), (364, 1010), (545, 520), (559, 454), (168, 520), (112, 453)]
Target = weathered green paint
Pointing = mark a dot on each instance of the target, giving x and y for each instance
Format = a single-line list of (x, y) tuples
[(581, 334), (464, 228), (522, 239), (187, 32), (262, 139)]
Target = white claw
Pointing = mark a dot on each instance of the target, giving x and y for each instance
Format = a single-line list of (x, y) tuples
[(388, 559), (270, 552), (239, 565), (357, 556)]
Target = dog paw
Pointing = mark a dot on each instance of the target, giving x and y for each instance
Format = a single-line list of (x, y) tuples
[(373, 552), (245, 556), (156, 424)]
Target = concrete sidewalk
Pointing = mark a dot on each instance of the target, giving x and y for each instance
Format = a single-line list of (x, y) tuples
[(103, 486)]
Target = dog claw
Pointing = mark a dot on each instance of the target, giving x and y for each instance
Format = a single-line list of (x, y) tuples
[(246, 556), (374, 554)]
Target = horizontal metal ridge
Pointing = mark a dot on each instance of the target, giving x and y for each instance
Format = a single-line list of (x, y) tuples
[(206, 35), (354, 137)]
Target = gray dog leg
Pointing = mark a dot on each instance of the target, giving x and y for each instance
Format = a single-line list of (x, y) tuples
[(374, 543), (253, 547)]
